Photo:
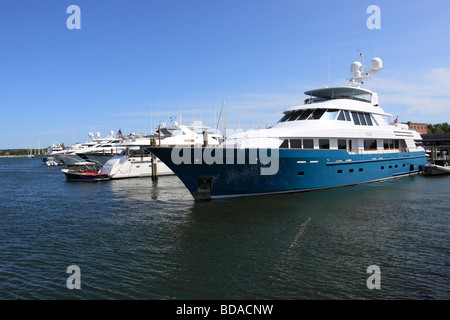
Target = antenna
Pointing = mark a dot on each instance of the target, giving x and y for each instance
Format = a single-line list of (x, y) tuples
[(359, 70), (224, 122), (329, 77)]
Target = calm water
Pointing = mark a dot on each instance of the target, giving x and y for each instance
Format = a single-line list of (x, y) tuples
[(135, 239)]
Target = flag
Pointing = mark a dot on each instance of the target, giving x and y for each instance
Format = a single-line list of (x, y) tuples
[(394, 122), (119, 134)]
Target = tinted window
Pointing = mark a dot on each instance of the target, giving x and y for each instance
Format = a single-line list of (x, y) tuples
[(370, 144), (362, 119), (284, 145), (347, 115), (294, 115), (308, 144), (324, 144), (341, 116), (305, 114), (318, 113), (342, 144), (368, 119), (296, 143), (284, 118), (355, 118)]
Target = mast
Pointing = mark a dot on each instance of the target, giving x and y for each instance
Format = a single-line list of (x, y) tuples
[(224, 122)]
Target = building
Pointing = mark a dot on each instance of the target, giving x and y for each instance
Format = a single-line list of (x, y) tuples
[(421, 128)]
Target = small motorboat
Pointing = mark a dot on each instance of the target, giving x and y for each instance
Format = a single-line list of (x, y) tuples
[(84, 171), (434, 169)]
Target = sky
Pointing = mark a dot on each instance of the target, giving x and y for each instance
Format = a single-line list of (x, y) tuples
[(134, 64)]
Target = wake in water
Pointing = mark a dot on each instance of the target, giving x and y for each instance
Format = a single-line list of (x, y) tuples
[(300, 232)]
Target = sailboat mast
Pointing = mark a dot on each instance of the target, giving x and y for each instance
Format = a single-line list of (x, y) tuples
[(224, 122)]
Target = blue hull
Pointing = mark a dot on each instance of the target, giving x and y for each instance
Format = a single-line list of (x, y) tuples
[(297, 170)]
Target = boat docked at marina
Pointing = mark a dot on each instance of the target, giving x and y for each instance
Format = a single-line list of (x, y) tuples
[(49, 155), (340, 136), (134, 162), (85, 172), (137, 161), (108, 145), (434, 169)]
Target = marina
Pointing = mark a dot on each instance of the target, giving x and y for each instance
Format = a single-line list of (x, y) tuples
[(312, 161), (145, 239)]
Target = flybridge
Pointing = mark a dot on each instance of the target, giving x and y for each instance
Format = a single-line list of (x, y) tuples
[(353, 90), (353, 93)]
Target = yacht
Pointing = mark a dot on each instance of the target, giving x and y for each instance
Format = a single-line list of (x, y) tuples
[(50, 154), (136, 161), (108, 145), (339, 136)]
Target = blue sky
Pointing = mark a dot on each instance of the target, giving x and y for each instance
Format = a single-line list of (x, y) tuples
[(134, 64)]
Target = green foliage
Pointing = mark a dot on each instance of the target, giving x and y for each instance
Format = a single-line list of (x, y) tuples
[(439, 128), (16, 152)]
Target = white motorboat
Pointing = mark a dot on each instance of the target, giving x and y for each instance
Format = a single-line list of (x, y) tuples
[(132, 163), (108, 145), (135, 161), (436, 168)]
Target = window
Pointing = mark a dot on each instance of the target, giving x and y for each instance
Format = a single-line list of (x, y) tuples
[(393, 144), (318, 113), (331, 114), (296, 143), (355, 118), (305, 114), (339, 171), (342, 144), (284, 118), (308, 144), (362, 119), (324, 144), (285, 144), (294, 115), (347, 115), (341, 116), (370, 144)]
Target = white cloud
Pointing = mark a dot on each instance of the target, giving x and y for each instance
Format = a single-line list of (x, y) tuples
[(422, 98)]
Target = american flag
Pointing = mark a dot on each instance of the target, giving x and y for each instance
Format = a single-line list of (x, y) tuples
[(394, 122)]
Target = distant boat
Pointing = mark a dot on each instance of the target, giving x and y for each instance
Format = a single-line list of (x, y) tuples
[(84, 171), (108, 145), (50, 154)]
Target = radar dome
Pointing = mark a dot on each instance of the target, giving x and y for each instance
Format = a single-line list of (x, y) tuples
[(355, 67), (376, 64)]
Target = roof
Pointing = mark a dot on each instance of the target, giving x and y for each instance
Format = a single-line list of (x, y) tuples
[(337, 92)]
